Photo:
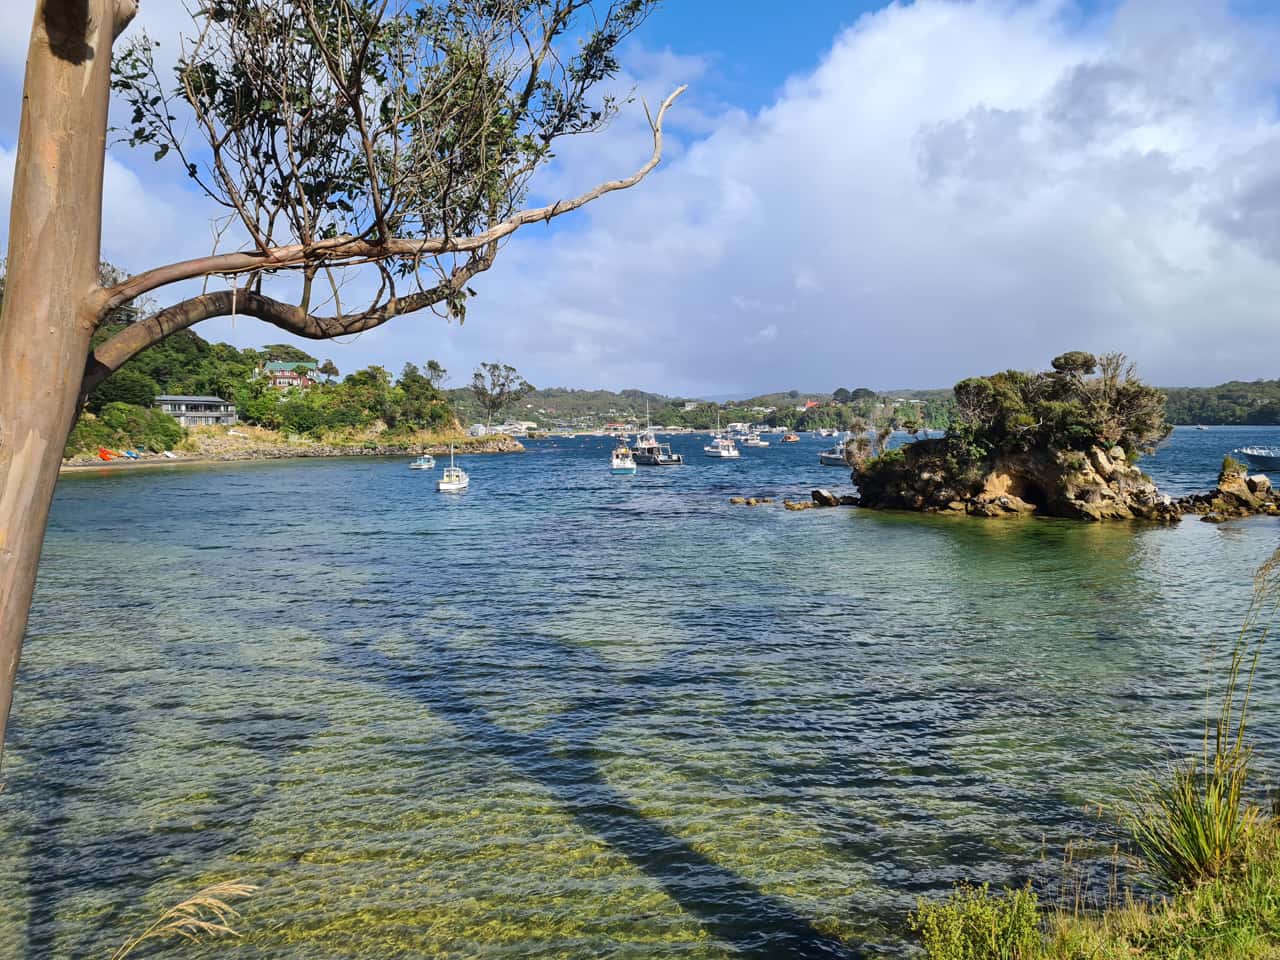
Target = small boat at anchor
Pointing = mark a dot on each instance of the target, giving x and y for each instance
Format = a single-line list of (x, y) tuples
[(790, 438), (424, 462), (754, 440), (454, 479), (622, 462), (721, 448), (1260, 458), (834, 456)]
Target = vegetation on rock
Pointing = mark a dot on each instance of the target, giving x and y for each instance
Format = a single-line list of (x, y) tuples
[(1060, 442)]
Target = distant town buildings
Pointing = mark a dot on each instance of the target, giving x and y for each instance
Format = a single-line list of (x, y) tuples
[(198, 411)]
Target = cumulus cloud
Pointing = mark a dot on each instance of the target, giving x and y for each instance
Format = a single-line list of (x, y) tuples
[(956, 188)]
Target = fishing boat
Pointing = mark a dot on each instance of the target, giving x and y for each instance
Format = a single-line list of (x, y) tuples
[(649, 452), (1261, 458), (454, 478), (424, 462), (1201, 426), (721, 447), (753, 440), (622, 462), (834, 456), (790, 438)]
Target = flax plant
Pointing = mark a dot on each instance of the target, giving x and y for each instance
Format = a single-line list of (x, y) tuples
[(1195, 826)]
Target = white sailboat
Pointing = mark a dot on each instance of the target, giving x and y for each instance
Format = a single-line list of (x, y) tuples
[(454, 477)]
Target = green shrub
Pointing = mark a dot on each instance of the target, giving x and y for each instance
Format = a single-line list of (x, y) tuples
[(124, 426), (973, 925)]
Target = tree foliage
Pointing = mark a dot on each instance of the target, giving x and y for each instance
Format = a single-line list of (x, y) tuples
[(1083, 400), (496, 386), (327, 121)]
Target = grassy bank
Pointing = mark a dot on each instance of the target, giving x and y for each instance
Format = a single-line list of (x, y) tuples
[(219, 444)]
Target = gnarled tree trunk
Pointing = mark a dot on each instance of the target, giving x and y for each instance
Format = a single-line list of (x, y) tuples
[(52, 298)]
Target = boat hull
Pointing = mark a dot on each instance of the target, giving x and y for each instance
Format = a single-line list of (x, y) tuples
[(832, 460), (1260, 460), (623, 471)]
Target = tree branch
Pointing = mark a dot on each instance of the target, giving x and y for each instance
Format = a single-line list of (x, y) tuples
[(353, 250), (109, 356)]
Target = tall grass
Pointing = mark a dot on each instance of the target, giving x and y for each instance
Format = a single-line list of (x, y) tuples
[(206, 914), (1195, 825)]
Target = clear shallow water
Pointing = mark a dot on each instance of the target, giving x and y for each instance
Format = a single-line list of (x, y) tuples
[(575, 715)]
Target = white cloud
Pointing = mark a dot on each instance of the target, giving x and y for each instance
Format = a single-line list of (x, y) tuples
[(956, 188)]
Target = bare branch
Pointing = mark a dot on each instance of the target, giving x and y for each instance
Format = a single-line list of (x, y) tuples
[(351, 251)]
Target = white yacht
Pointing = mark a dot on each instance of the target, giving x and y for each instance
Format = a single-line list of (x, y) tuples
[(424, 462), (454, 478), (753, 439), (622, 462), (721, 448)]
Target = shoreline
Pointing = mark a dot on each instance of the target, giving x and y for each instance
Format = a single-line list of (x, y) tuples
[(476, 446)]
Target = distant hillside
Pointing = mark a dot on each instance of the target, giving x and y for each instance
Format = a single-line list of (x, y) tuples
[(564, 408), (1237, 402)]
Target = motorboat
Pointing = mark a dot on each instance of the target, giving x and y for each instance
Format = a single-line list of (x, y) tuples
[(721, 448), (790, 438), (454, 478), (648, 452), (1261, 458), (834, 456), (753, 440), (622, 462), (424, 462)]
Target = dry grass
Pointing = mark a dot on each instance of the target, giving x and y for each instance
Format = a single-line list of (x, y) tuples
[(207, 914)]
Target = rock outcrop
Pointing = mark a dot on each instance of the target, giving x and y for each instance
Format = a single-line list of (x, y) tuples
[(1096, 484), (1237, 495)]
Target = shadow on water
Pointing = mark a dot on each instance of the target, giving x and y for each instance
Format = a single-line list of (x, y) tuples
[(753, 923), (122, 860)]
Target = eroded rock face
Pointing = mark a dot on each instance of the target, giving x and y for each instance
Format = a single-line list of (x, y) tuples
[(1236, 495), (1096, 484)]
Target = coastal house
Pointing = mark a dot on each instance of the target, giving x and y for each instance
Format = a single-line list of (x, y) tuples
[(198, 411), (283, 374)]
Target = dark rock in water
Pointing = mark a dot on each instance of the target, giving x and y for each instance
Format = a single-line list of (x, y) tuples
[(850, 501), (825, 498)]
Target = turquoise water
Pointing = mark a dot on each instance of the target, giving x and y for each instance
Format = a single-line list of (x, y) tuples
[(567, 714)]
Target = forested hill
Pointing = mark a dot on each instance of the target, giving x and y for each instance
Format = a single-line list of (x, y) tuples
[(1237, 402)]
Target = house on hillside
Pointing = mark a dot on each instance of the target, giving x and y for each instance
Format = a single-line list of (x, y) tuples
[(198, 411), (283, 374)]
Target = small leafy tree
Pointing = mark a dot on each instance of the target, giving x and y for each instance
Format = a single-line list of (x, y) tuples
[(496, 386), (328, 370)]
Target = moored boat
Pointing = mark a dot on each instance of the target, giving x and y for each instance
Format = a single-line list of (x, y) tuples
[(454, 478), (424, 462), (753, 440), (834, 456), (622, 462), (790, 438), (721, 448)]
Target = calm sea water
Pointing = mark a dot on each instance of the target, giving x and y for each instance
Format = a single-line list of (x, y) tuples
[(567, 714)]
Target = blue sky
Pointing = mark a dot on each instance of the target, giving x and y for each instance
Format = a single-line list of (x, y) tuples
[(861, 194)]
